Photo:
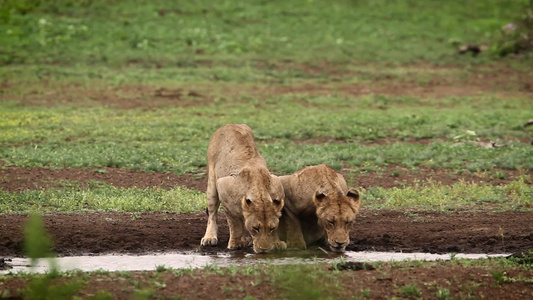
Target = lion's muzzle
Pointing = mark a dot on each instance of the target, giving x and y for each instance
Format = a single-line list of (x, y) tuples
[(263, 250), (337, 246)]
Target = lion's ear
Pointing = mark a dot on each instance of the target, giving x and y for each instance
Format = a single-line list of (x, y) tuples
[(354, 196), (246, 202), (319, 196), (278, 205)]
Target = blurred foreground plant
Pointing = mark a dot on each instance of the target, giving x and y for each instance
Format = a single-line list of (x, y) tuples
[(38, 244)]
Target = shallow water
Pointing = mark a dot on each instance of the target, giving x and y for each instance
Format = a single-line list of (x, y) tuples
[(195, 260)]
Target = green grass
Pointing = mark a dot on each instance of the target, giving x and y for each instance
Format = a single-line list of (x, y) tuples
[(290, 157), (103, 198), (348, 118), (516, 195), (96, 32), (175, 139), (443, 294), (513, 196), (304, 282), (411, 290), (282, 157)]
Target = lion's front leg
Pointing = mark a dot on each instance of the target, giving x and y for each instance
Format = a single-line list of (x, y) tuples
[(279, 244), (211, 233), (237, 237), (294, 235)]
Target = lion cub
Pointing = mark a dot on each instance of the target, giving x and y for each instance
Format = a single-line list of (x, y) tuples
[(318, 204), (252, 198)]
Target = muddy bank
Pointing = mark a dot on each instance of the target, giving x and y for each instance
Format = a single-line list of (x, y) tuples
[(17, 179), (375, 230)]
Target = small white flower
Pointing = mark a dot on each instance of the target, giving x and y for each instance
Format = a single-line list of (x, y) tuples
[(42, 22)]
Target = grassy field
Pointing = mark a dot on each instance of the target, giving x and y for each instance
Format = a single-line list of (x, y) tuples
[(175, 139), (92, 85), (97, 33)]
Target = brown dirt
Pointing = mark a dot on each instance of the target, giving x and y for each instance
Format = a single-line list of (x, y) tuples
[(95, 233), (496, 80), (17, 179), (395, 176), (122, 97), (380, 230)]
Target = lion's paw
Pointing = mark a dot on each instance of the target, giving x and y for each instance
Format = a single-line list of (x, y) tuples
[(213, 241), (296, 245), (248, 240), (280, 245), (239, 244)]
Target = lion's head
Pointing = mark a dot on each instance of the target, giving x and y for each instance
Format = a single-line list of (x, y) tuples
[(336, 212), (261, 208)]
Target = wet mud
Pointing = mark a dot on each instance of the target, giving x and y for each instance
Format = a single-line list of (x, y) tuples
[(374, 230)]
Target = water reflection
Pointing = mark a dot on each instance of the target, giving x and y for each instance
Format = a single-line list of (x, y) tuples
[(197, 260)]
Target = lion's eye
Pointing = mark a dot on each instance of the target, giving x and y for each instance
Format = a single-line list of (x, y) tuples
[(331, 222), (255, 228), (272, 229)]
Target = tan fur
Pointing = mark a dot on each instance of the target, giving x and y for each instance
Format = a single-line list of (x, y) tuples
[(239, 179), (318, 204)]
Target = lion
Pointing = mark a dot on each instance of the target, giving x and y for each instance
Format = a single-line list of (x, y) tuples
[(252, 197), (318, 207)]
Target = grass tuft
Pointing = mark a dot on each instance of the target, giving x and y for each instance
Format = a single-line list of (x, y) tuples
[(515, 195), (103, 198)]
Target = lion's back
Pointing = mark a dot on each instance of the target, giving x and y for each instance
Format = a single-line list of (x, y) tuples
[(303, 184), (232, 147)]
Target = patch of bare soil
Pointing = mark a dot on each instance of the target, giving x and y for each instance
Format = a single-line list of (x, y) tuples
[(396, 176), (480, 80), (16, 179), (121, 97), (379, 230), (432, 89)]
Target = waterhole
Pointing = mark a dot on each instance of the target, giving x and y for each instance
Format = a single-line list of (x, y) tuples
[(121, 262)]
